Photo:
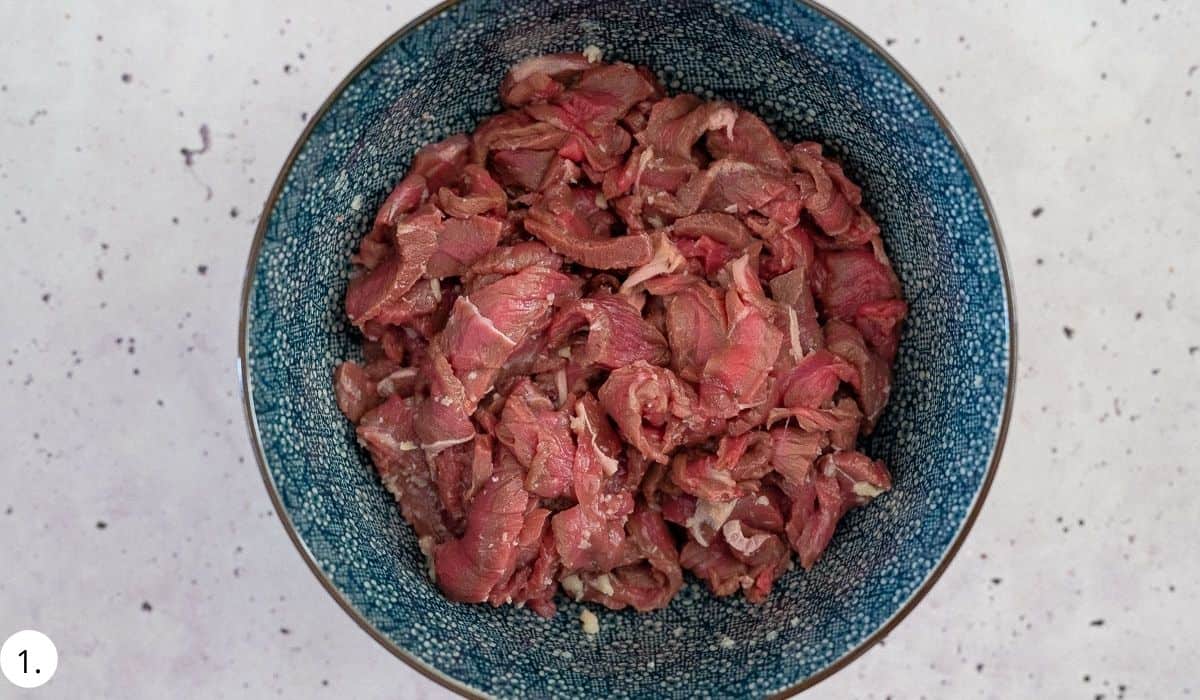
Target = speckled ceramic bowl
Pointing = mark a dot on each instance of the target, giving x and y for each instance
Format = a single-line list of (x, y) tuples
[(810, 75)]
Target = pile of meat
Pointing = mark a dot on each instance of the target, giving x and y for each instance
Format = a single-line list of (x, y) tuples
[(612, 336)]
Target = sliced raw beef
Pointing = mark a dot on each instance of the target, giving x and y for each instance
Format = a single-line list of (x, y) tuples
[(613, 335)]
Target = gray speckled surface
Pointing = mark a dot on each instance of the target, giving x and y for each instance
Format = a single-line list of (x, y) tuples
[(134, 528)]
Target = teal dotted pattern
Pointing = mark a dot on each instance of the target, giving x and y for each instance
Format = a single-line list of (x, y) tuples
[(808, 77)]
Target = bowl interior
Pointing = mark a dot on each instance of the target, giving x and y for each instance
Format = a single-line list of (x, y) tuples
[(808, 77)]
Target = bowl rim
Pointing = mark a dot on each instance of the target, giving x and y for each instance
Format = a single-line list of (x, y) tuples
[(458, 686)]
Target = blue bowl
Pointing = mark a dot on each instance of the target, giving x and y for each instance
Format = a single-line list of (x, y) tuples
[(810, 75)]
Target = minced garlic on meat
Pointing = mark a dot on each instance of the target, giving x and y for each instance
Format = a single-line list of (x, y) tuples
[(591, 624), (863, 488), (573, 585)]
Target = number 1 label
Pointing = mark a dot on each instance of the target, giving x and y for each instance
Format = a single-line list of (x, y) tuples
[(28, 659)]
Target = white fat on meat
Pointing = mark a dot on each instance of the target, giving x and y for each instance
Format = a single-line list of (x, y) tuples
[(643, 161), (582, 426), (487, 322), (710, 513), (391, 443), (603, 584), (723, 119), (560, 385), (435, 447), (426, 544), (387, 386), (637, 300), (667, 259), (864, 489), (593, 53), (737, 539), (797, 349)]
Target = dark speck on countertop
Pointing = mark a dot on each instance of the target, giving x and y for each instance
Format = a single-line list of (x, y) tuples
[(202, 269), (46, 297), (189, 154), (1069, 332), (101, 525), (1037, 211), (233, 212), (146, 606), (126, 78), (284, 630), (1098, 622)]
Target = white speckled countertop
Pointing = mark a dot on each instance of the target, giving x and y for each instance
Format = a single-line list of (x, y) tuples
[(134, 526)]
